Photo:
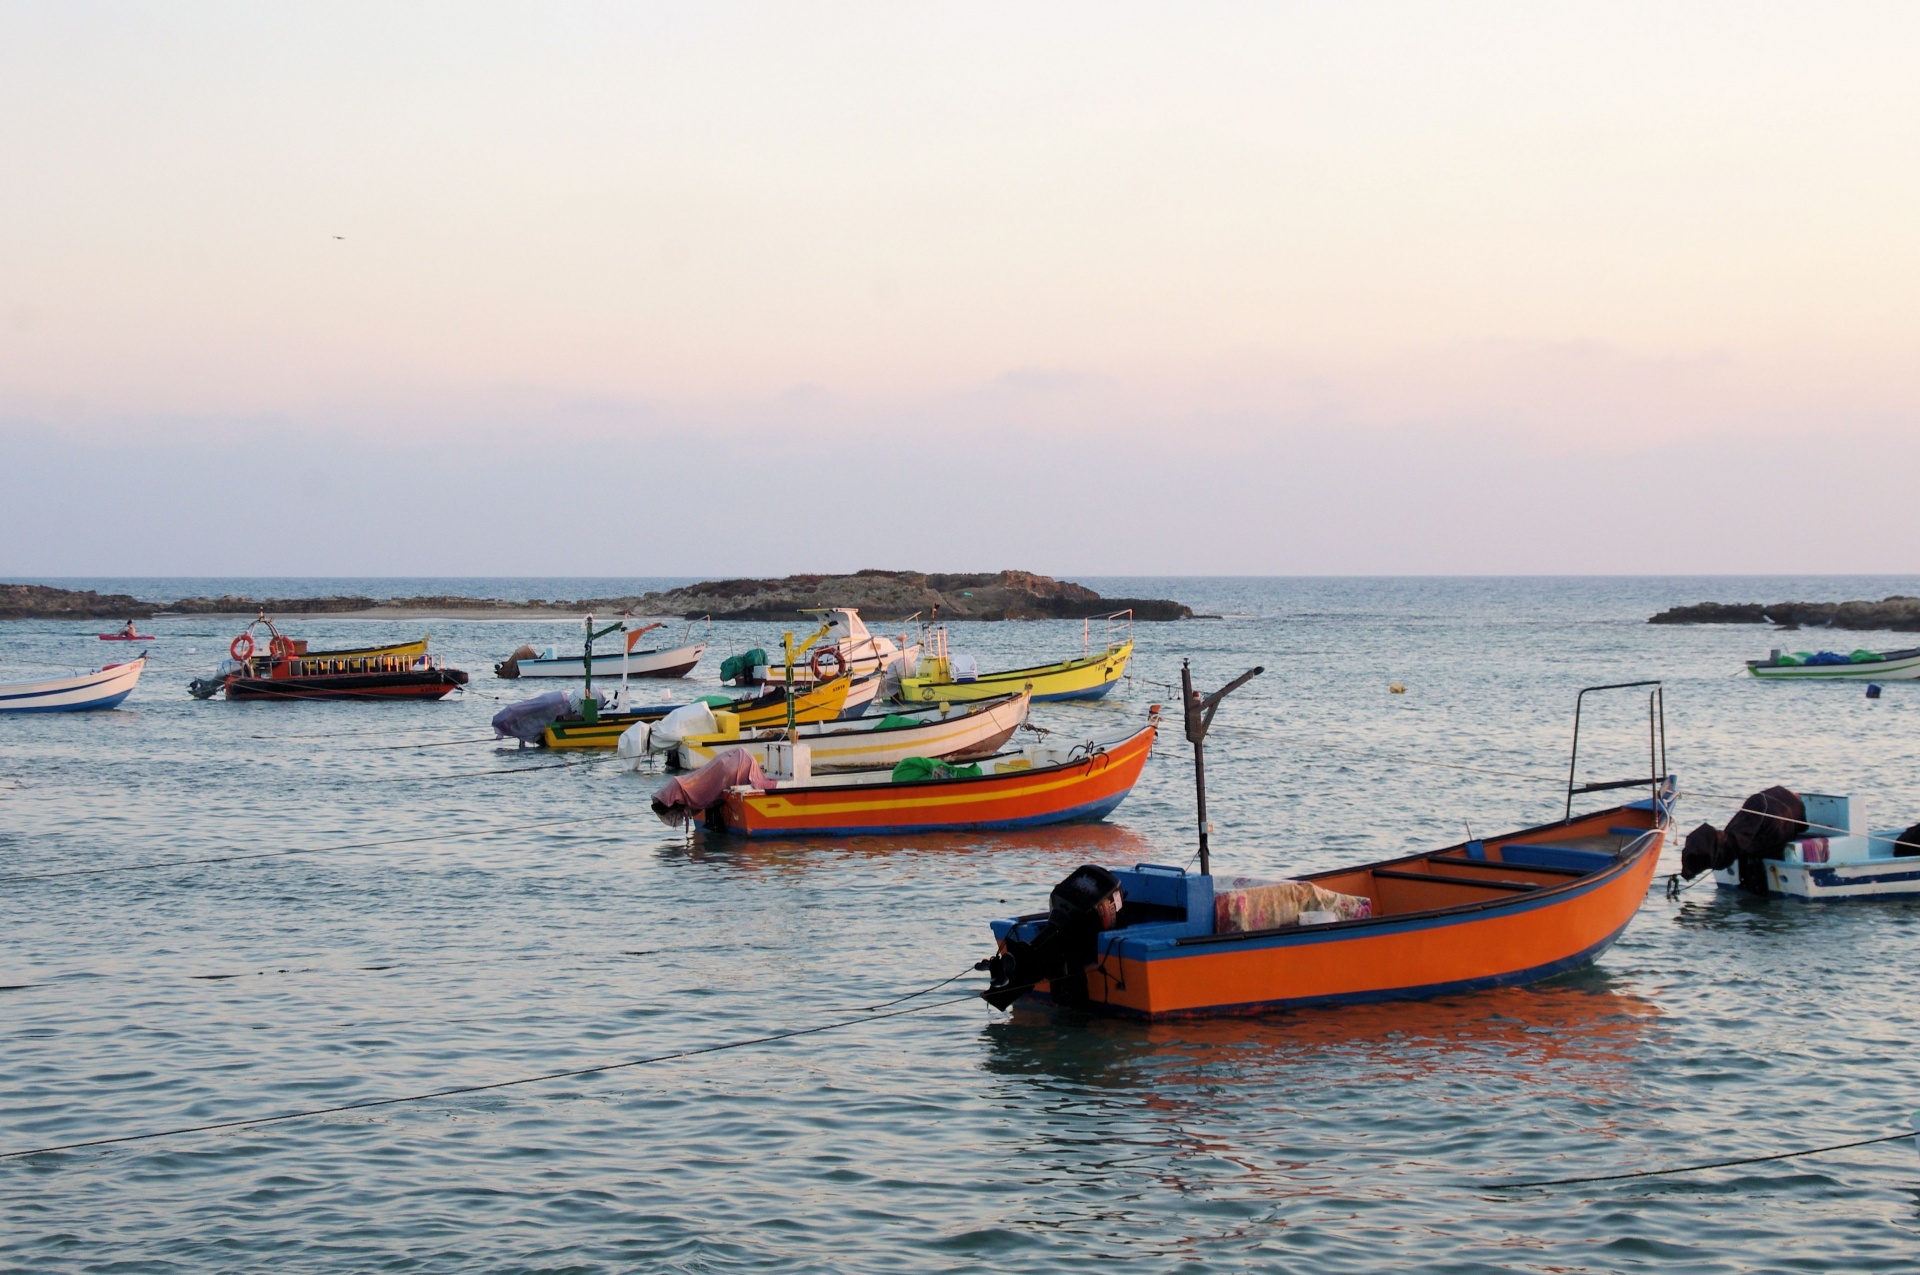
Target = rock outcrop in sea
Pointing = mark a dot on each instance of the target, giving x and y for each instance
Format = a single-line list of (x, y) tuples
[(880, 595), (1899, 612), (43, 602), (895, 595)]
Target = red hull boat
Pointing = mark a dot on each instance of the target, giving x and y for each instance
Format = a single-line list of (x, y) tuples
[(288, 670)]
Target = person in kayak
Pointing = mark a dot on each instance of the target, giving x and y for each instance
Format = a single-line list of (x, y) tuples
[(129, 630)]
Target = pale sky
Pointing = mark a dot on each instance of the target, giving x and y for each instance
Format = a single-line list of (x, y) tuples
[(1095, 289)]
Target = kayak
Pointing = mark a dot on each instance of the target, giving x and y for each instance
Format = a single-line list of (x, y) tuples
[(128, 637)]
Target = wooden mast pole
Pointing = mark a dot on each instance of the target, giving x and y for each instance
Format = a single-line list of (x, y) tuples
[(1199, 716)]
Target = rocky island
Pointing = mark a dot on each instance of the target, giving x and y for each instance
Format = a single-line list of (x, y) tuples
[(895, 595), (1899, 613), (880, 595)]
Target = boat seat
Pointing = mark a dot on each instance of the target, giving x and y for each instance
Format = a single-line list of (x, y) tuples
[(1458, 862), (1440, 878), (1552, 856)]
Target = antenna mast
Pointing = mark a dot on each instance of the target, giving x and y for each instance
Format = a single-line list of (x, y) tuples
[(1199, 714)]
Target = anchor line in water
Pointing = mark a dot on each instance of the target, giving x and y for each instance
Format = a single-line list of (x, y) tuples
[(923, 991), (444, 743), (1698, 1168), (488, 1087), (498, 770), (164, 864)]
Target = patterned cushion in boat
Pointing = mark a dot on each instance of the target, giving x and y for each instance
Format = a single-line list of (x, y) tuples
[(1245, 904)]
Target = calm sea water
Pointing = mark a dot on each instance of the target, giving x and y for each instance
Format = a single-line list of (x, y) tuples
[(544, 920)]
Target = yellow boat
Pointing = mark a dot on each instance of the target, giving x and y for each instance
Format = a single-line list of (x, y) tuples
[(823, 703), (1088, 677)]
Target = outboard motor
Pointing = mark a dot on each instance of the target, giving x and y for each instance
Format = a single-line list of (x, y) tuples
[(1767, 821), (1064, 946)]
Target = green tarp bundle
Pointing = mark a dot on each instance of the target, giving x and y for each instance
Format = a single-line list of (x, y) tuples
[(894, 721), (736, 668), (913, 768)]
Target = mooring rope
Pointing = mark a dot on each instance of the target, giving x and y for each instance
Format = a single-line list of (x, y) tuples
[(1698, 1168), (499, 770), (490, 1086), (923, 991), (163, 864), (444, 743)]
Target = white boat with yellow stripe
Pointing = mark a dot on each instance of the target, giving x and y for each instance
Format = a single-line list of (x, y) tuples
[(944, 677), (951, 731)]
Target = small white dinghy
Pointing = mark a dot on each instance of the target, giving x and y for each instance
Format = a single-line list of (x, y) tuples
[(103, 688), (1859, 666), (673, 661), (1838, 857)]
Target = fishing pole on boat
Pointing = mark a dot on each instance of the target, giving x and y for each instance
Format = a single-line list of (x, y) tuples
[(1199, 716)]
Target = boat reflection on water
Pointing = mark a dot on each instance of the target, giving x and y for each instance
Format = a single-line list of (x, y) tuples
[(1578, 1033), (1261, 1122), (1050, 846)]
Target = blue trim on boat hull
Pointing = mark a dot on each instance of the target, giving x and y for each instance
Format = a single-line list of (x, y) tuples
[(93, 705), (1340, 931), (1091, 812), (1429, 991), (1095, 692)]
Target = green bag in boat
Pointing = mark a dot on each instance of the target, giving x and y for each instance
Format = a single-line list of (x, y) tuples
[(1865, 657), (894, 721), (911, 769), (736, 667)]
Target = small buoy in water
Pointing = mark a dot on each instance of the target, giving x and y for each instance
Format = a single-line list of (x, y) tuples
[(1873, 690), (1395, 688)]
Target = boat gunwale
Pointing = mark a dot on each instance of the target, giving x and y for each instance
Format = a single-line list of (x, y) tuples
[(848, 731), (73, 681), (1515, 902), (1886, 657), (1028, 773), (1069, 665), (741, 705), (699, 649), (350, 651)]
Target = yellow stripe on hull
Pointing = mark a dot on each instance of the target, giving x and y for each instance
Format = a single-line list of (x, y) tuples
[(1082, 678), (824, 704), (866, 750)]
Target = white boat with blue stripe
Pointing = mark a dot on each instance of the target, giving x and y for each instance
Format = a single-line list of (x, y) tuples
[(103, 688), (1839, 856)]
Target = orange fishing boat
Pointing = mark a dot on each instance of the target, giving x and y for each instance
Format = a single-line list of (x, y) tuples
[(1042, 784), (1158, 942)]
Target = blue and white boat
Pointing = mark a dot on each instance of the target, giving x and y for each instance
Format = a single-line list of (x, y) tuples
[(103, 688), (1838, 857)]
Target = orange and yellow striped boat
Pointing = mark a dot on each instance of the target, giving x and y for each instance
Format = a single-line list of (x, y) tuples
[(1025, 789)]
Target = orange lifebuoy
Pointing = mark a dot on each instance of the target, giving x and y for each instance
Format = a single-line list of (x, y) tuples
[(280, 647), (821, 656), (242, 648)]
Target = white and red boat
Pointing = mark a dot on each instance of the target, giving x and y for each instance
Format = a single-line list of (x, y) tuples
[(103, 688), (665, 661)]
